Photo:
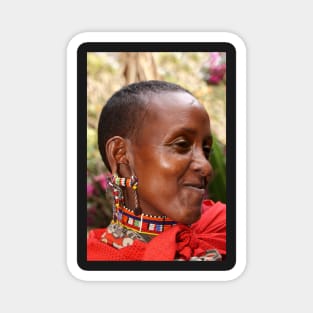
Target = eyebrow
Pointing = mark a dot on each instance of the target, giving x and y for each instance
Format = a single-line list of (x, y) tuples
[(188, 130), (193, 131)]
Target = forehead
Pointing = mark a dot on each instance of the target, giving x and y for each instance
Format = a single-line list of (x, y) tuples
[(169, 111)]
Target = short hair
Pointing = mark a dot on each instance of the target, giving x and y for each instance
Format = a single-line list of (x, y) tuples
[(124, 111)]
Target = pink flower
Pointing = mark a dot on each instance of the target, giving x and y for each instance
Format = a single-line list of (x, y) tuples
[(215, 59), (217, 74), (90, 190), (102, 181), (215, 68)]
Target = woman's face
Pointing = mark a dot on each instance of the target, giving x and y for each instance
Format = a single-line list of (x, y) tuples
[(170, 157)]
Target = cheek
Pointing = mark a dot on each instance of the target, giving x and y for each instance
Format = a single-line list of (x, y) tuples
[(172, 167), (162, 164), (161, 174), (167, 182)]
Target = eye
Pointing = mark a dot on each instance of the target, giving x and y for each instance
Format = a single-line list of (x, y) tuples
[(207, 150), (182, 145)]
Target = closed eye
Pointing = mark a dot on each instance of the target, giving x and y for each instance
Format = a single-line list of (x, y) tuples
[(182, 145)]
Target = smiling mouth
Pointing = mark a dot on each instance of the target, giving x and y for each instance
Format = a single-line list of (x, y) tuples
[(196, 187)]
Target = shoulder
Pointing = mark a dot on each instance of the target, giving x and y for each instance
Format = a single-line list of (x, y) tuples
[(99, 250), (213, 209), (213, 216)]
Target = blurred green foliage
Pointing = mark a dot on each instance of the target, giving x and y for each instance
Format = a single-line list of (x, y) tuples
[(217, 189)]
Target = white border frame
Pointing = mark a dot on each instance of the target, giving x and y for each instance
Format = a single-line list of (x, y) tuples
[(209, 275)]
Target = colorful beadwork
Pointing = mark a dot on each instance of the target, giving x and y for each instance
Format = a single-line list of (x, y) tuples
[(130, 182), (146, 224), (116, 183), (135, 219)]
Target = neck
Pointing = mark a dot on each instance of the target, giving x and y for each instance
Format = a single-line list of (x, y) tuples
[(144, 223)]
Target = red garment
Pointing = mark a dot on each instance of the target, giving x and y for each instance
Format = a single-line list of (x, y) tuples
[(181, 241)]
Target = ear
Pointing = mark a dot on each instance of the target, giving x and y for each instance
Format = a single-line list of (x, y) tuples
[(116, 151)]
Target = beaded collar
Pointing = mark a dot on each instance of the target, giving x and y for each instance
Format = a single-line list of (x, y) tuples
[(144, 223)]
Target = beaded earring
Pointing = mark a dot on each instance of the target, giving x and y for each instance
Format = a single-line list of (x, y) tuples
[(118, 198), (129, 182)]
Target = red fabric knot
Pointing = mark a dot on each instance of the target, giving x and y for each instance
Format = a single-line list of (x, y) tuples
[(187, 242)]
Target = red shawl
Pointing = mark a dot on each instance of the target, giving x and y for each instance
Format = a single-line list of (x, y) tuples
[(182, 241)]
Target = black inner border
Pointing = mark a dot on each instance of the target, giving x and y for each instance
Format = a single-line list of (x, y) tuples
[(82, 51)]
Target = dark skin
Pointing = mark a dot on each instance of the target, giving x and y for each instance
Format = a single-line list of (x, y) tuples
[(169, 156)]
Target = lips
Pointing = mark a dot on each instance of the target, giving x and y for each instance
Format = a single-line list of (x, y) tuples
[(199, 183), (196, 187)]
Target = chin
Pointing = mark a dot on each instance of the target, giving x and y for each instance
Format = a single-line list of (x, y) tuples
[(190, 208), (191, 218)]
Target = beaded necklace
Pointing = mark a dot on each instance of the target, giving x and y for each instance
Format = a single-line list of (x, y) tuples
[(144, 223)]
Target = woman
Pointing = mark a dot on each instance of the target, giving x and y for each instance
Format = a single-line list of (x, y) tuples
[(155, 138)]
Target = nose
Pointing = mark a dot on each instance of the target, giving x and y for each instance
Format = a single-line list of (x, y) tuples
[(201, 164)]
